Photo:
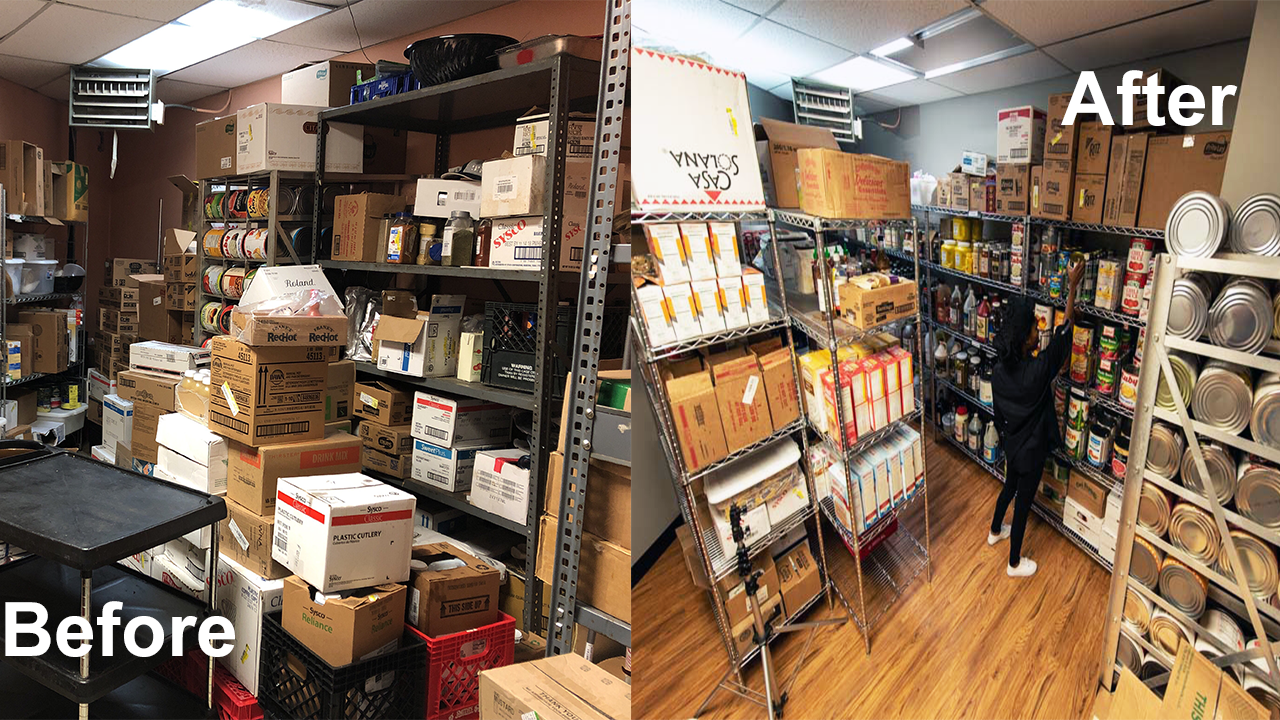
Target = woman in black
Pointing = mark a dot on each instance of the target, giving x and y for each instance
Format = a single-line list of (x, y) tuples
[(1022, 385)]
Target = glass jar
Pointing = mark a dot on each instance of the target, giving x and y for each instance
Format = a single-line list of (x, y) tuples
[(402, 240), (458, 242), (975, 372), (960, 369)]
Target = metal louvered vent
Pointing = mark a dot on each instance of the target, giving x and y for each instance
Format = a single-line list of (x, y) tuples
[(824, 106), (111, 97)]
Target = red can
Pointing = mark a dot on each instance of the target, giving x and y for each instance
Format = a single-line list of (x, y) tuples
[(1140, 253)]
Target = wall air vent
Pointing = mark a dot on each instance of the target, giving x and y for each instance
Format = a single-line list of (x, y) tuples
[(107, 98), (825, 106)]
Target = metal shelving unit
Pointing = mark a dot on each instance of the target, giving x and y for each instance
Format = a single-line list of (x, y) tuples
[(496, 99), (831, 333), (1228, 589)]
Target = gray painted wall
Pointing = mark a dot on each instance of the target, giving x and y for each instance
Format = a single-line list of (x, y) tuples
[(932, 136), (766, 104), (1251, 172)]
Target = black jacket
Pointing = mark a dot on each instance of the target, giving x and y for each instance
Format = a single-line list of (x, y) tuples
[(1023, 403)]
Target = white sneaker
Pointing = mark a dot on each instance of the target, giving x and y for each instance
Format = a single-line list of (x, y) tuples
[(1026, 568), (992, 538)]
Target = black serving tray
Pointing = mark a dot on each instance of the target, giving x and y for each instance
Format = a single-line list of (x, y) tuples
[(87, 514), (57, 587)]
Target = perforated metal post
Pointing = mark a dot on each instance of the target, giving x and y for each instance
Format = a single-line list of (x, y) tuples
[(581, 396)]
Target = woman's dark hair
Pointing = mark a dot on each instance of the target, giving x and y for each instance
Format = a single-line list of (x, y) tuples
[(1015, 325)]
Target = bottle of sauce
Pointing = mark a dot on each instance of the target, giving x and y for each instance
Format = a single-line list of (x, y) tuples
[(970, 313), (940, 359), (991, 444), (956, 307), (975, 434), (985, 393), (962, 425), (942, 303), (984, 317), (483, 233)]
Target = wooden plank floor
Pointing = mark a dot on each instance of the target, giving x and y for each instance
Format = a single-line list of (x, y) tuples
[(972, 643)]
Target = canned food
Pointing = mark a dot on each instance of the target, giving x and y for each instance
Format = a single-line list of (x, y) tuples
[(1194, 531), (209, 316), (1197, 224), (1189, 306), (1264, 420), (1258, 494), (1120, 455), (255, 244), (1260, 571), (1223, 396), (1081, 349), (1222, 471), (212, 242), (232, 284), (1184, 588), (1073, 443), (212, 279), (1129, 654), (224, 319), (1153, 509), (1105, 377), (1078, 409), (1164, 450), (44, 399), (233, 243), (1140, 253), (1242, 318), (1185, 369), (1220, 625), (1107, 288), (1098, 452), (1129, 387), (1137, 611), (1167, 632), (1144, 563)]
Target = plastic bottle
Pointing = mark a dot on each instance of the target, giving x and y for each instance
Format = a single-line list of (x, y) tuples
[(940, 359), (402, 240), (942, 303), (971, 313), (975, 433), (984, 316), (957, 304), (962, 425), (985, 393), (991, 444)]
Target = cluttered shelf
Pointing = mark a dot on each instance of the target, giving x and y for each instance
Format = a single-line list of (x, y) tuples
[(663, 352), (36, 376), (994, 217), (655, 217), (1097, 398), (865, 441), (39, 297), (478, 273), (799, 219), (1157, 233), (995, 284), (457, 501), (41, 220), (479, 391), (810, 320), (968, 340)]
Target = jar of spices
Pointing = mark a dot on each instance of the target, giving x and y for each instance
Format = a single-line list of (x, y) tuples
[(458, 242), (429, 242), (402, 240), (960, 369)]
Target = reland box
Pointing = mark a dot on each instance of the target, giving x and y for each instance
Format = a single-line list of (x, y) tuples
[(167, 357), (1051, 198), (70, 191), (252, 473), (397, 466), (324, 85), (1013, 188), (440, 198), (450, 421), (443, 602), (1179, 164), (122, 268), (393, 439), (272, 136), (299, 285), (341, 630), (868, 302), (844, 185), (216, 148), (49, 331), (1093, 148), (499, 485), (1088, 196), (383, 403), (246, 538), (447, 468), (742, 402), (776, 146), (267, 395), (608, 515), (1059, 139), (243, 599), (564, 686), (604, 570), (341, 532), (697, 414), (1020, 135), (705, 162), (340, 392), (425, 346), (356, 219), (513, 186)]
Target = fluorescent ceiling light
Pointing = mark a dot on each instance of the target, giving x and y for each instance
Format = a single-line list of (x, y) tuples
[(211, 29), (862, 74), (978, 61), (890, 48)]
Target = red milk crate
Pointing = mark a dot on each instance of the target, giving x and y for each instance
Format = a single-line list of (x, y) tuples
[(454, 663)]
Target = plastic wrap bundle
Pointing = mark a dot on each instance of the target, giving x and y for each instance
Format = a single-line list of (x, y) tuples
[(362, 317)]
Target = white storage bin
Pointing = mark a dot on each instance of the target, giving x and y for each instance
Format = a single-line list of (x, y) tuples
[(72, 420), (37, 276), (753, 483), (13, 266)]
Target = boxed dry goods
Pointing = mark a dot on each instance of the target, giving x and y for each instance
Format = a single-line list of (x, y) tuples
[(271, 136), (252, 473), (533, 132), (776, 146), (735, 591), (1177, 165), (340, 532), (49, 328), (356, 220), (191, 455), (22, 176), (124, 299), (844, 185), (180, 296), (513, 186), (516, 242), (459, 422), (244, 598), (1013, 187), (268, 395), (117, 421), (216, 148), (441, 198), (874, 299), (777, 371), (608, 515), (693, 404), (394, 439), (1124, 179), (180, 262), (116, 322), (564, 686), (397, 466), (1093, 149), (155, 389), (424, 346), (324, 85), (498, 484), (246, 537), (448, 468), (167, 357), (957, 190), (1020, 135), (1090, 190), (604, 570), (383, 403), (1051, 196), (442, 602), (1163, 77), (743, 404), (1059, 139), (338, 395), (290, 305), (798, 578), (70, 191), (122, 268), (25, 356), (341, 630)]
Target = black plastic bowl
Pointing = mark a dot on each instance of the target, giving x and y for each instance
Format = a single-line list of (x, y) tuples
[(453, 57)]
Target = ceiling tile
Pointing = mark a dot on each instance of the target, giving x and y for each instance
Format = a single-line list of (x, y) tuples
[(1010, 72), (1049, 21), (784, 91), (176, 92), (1197, 26), (74, 35), (30, 73), (16, 12), (379, 21), (759, 7), (865, 26), (58, 88), (257, 60), (916, 92), (863, 105), (161, 10), (771, 54), (692, 27)]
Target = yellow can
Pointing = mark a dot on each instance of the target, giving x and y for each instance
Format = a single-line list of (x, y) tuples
[(949, 261), (964, 257), (960, 228)]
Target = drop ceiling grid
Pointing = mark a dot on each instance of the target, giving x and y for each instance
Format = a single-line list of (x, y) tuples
[(1010, 72), (862, 27), (28, 72), (914, 92), (1045, 22), (13, 13), (255, 61), (73, 35), (379, 21), (160, 10)]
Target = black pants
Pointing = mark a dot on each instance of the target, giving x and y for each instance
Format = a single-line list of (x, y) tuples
[(1020, 488)]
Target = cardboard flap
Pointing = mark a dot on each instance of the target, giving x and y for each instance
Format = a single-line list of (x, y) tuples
[(134, 281), (797, 135), (588, 683), (397, 329), (179, 242)]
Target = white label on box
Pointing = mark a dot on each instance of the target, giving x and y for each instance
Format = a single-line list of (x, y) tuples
[(369, 400), (506, 187), (749, 394), (1188, 141), (225, 163), (240, 538)]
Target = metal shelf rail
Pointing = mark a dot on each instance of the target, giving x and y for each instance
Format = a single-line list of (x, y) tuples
[(1235, 588), (823, 330)]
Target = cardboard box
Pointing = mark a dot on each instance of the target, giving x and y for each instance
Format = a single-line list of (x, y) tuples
[(1132, 700), (449, 469), (516, 243), (697, 414), (397, 466), (383, 403), (425, 346), (1199, 689), (216, 148), (957, 184), (1094, 148), (246, 537), (272, 136), (340, 392), (395, 439), (26, 357), (267, 395), (777, 370), (184, 471), (843, 185), (124, 299), (1052, 197), (355, 226), (604, 570), (340, 532), (565, 686), (180, 296), (982, 194), (149, 388), (1020, 135), (608, 515), (1131, 185), (734, 590), (459, 422), (153, 316), (1087, 493), (450, 601), (513, 186), (342, 630), (252, 473), (440, 198), (122, 268), (744, 407), (71, 192), (974, 163), (180, 263), (498, 484), (146, 421), (325, 84), (532, 132), (118, 323), (1013, 188), (1090, 190), (1163, 77), (1177, 165), (201, 456), (22, 175), (325, 331), (1115, 177), (1059, 139), (49, 331), (666, 244), (117, 421), (470, 356), (777, 143), (866, 308), (248, 597), (798, 578)]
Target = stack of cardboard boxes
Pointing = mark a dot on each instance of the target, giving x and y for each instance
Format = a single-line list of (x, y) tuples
[(119, 314), (39, 187)]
